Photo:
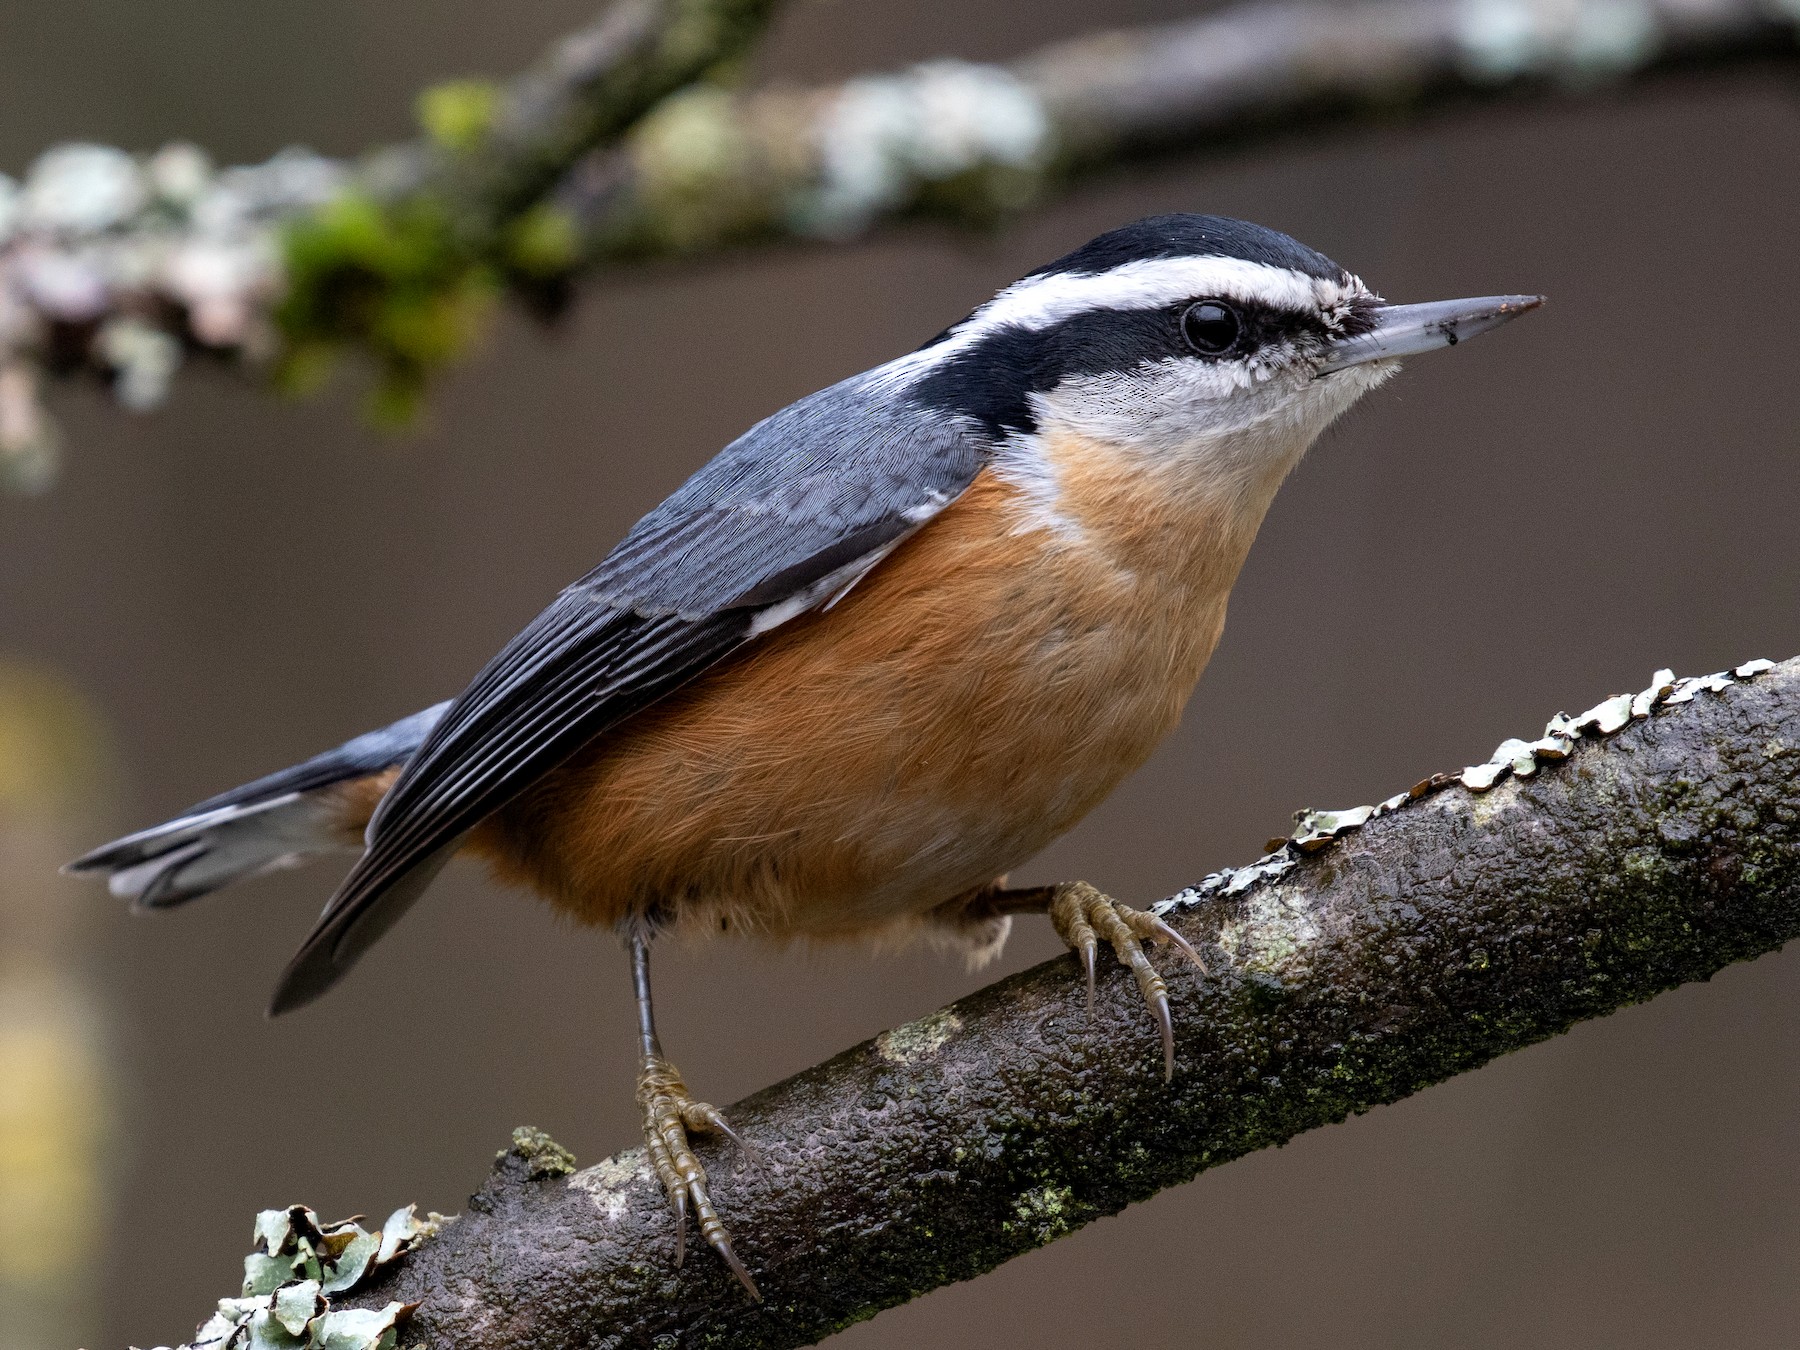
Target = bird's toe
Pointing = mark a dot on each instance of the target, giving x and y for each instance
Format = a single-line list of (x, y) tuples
[(1083, 916), (670, 1112)]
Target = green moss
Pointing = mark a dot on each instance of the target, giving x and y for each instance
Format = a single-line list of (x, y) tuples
[(1646, 867), (457, 113), (306, 366), (397, 282), (1046, 1212), (984, 197), (544, 242), (1485, 807), (1271, 935), (702, 174)]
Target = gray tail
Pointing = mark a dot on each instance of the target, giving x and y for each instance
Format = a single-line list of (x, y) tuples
[(278, 821)]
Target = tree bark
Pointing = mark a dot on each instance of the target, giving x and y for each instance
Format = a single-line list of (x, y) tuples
[(1449, 929)]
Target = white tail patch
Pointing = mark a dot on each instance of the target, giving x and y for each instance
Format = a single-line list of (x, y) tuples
[(193, 855)]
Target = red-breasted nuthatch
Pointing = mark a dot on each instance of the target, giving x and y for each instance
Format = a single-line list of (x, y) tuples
[(882, 649)]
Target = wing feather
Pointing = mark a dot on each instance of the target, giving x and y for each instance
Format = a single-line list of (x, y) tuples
[(782, 520)]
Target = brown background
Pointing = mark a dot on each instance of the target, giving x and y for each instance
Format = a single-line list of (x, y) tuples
[(1518, 527)]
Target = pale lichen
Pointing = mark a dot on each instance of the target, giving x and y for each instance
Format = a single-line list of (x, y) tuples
[(101, 247), (542, 1155), (883, 135), (1522, 758), (610, 1181), (1316, 830), (1572, 41), (297, 1267), (1271, 933), (918, 1040), (1231, 880)]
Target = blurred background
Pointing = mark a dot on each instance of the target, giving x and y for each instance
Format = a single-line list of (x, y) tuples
[(235, 582)]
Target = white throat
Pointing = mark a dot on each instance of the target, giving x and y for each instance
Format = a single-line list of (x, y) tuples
[(1192, 431)]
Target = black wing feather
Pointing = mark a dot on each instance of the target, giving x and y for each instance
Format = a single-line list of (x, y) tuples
[(824, 483)]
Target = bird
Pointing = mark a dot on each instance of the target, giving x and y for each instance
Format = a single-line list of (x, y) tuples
[(871, 657)]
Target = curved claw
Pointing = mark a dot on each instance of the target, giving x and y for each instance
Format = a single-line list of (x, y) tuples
[(700, 1116), (1082, 914), (723, 1247), (669, 1114), (712, 1228), (1159, 1004), (1164, 931), (752, 1154)]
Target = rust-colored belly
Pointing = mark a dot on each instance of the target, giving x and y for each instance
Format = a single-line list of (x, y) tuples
[(968, 701)]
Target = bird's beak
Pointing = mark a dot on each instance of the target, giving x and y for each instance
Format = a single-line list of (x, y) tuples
[(1407, 330)]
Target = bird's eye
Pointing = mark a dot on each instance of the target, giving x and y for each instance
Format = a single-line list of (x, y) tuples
[(1211, 327)]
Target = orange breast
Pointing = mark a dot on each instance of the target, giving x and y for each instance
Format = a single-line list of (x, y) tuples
[(969, 700)]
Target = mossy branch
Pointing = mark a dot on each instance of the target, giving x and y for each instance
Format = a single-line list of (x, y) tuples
[(494, 151), (1651, 842), (623, 143), (120, 266), (403, 261)]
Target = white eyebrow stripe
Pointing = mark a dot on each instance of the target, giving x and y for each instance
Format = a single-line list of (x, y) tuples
[(1043, 301), (1040, 302)]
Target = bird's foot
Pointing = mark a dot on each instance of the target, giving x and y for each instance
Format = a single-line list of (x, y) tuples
[(670, 1111), (1082, 916)]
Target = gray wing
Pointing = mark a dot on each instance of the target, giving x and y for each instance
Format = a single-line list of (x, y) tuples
[(781, 520)]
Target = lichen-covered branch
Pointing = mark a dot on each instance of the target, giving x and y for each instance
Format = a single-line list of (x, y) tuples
[(403, 260), (1650, 842), (120, 266), (492, 151), (973, 143), (623, 144)]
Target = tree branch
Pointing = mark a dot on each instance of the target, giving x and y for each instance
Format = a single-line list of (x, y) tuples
[(972, 143), (615, 148), (1650, 842), (494, 152), (115, 266)]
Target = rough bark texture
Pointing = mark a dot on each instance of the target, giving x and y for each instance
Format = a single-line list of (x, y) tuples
[(1450, 931)]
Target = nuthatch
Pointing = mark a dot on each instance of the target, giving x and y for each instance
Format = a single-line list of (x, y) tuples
[(882, 649)]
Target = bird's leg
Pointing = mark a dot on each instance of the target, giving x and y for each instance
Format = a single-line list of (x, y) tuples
[(1083, 917), (669, 1113)]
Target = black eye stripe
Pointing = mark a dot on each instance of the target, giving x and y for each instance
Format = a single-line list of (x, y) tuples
[(1260, 326), (992, 380)]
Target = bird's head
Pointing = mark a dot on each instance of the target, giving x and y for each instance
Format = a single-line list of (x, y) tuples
[(1208, 346)]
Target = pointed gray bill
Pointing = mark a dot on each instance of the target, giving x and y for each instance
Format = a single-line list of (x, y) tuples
[(1407, 330)]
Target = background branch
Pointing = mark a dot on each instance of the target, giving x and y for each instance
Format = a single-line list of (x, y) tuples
[(1651, 842), (971, 144), (621, 145), (494, 151), (117, 266)]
